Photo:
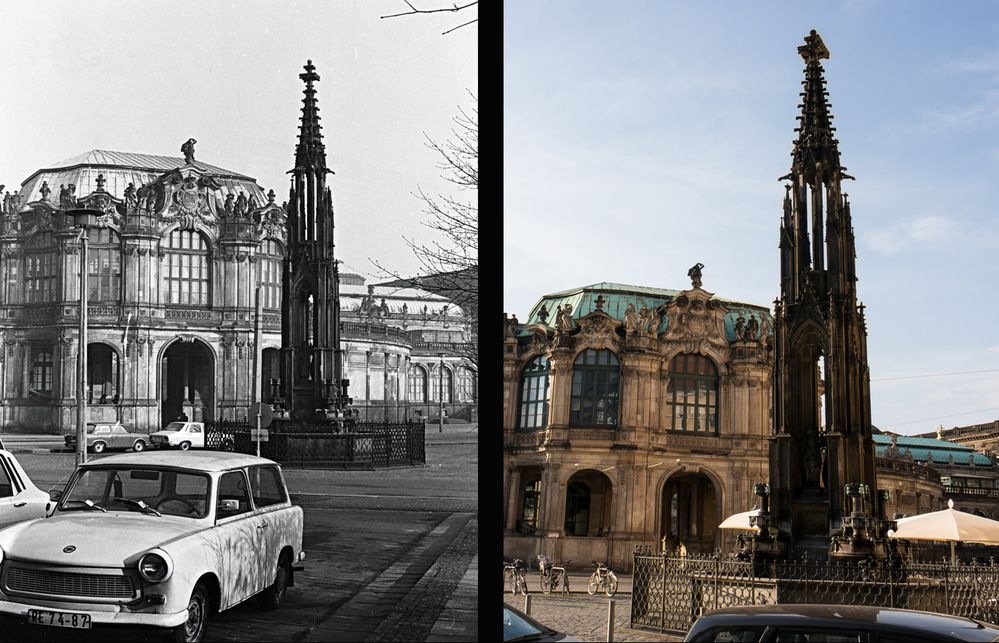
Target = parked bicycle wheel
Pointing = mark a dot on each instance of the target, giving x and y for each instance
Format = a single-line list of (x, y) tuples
[(522, 584), (546, 583), (514, 584), (591, 587), (611, 584)]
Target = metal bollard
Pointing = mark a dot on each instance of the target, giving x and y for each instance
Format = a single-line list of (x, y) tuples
[(527, 604), (610, 620)]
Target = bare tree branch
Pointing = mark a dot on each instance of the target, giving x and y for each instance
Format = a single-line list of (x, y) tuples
[(453, 9), (449, 263)]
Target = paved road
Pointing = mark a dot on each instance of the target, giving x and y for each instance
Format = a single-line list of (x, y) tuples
[(391, 554)]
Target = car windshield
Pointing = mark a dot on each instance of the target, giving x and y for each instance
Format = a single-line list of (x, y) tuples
[(138, 488), (174, 426)]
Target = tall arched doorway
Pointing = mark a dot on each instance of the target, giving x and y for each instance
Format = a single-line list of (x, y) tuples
[(690, 513), (588, 500), (187, 382)]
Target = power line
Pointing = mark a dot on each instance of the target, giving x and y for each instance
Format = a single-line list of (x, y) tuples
[(940, 417), (912, 377)]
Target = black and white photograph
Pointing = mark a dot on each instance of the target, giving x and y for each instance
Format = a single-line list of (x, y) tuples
[(239, 373)]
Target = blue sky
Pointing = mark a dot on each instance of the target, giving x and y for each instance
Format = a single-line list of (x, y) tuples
[(146, 76), (643, 137)]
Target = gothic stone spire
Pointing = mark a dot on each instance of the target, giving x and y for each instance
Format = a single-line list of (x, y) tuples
[(310, 152), (820, 467), (816, 148)]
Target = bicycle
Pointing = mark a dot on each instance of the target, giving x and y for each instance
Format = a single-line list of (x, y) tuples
[(552, 575), (602, 579), (515, 573)]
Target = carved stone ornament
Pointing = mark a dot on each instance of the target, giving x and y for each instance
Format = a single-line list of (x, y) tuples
[(538, 341), (598, 330), (272, 222), (696, 321)]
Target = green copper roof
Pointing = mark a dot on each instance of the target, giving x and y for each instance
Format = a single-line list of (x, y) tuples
[(922, 448), (618, 296)]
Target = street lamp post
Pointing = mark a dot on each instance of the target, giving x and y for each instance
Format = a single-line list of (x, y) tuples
[(85, 219), (440, 388)]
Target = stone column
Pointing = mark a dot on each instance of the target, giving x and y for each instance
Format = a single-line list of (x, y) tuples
[(552, 505), (512, 499)]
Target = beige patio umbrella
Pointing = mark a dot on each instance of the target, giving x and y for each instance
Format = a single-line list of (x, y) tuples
[(740, 521), (948, 525)]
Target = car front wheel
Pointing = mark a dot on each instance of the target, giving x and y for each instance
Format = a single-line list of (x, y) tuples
[(139, 446), (99, 447), (197, 617), (273, 596), (185, 445)]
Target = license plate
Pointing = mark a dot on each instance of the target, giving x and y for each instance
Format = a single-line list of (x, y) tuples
[(59, 619)]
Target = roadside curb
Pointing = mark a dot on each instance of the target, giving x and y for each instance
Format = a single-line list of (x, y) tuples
[(17, 450)]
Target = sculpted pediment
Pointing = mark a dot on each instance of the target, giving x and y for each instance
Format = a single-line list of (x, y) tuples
[(190, 196), (695, 321), (598, 330)]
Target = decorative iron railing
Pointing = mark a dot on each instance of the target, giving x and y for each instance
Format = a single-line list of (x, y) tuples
[(366, 445), (953, 490), (669, 593)]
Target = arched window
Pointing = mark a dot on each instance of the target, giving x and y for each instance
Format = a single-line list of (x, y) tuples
[(186, 269), (692, 394), (595, 389), (269, 259), (417, 383), (445, 378), (104, 269), (102, 374), (40, 269), (534, 394), (577, 509)]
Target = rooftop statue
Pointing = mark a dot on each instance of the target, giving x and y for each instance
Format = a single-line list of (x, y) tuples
[(131, 200), (67, 197), (46, 190), (695, 275), (188, 151)]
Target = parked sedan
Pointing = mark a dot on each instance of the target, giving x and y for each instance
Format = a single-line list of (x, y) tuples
[(103, 436), (160, 539), (20, 499), (841, 623), (180, 435)]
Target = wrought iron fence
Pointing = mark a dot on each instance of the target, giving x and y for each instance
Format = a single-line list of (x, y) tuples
[(366, 445), (669, 593)]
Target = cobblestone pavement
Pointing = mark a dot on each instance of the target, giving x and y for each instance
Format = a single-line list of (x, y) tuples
[(585, 617)]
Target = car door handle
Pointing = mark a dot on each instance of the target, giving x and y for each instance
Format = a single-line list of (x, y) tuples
[(262, 525), (21, 504)]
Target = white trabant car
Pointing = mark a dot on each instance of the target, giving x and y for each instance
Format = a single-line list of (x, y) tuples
[(158, 539), (180, 435), (20, 499)]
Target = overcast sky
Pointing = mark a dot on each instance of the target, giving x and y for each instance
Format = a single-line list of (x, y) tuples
[(146, 76), (642, 138)]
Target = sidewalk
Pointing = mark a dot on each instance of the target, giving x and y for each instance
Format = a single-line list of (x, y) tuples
[(585, 617)]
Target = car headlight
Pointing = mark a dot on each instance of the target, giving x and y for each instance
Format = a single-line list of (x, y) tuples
[(155, 566)]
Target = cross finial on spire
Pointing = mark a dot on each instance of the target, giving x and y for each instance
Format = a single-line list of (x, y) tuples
[(813, 49), (310, 74)]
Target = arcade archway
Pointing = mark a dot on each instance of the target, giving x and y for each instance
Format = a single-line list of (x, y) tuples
[(690, 513), (187, 383)]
